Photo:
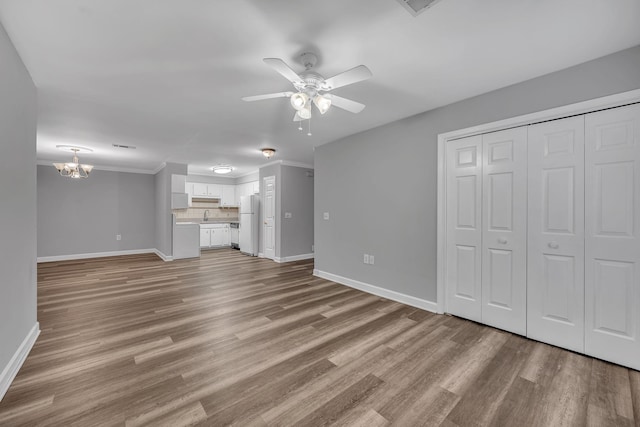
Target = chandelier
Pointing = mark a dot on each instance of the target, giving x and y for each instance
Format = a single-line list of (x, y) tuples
[(73, 169)]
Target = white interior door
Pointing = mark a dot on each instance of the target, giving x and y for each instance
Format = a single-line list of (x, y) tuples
[(612, 241), (504, 230), (464, 233), (269, 217), (555, 278)]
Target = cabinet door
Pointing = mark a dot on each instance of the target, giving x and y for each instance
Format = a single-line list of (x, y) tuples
[(188, 188), (217, 236), (205, 237), (255, 187), (228, 195), (612, 240), (226, 237), (214, 190), (199, 189), (504, 230), (555, 260), (464, 227)]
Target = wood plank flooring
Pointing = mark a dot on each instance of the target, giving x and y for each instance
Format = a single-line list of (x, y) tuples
[(233, 340)]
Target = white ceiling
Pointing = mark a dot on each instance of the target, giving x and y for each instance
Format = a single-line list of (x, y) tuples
[(167, 75)]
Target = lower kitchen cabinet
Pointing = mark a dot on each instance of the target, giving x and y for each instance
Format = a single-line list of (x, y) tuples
[(214, 235)]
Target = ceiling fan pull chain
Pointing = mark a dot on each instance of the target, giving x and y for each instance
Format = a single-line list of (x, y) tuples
[(309, 133)]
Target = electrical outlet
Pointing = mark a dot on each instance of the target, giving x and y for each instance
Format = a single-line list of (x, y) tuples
[(325, 215), (371, 259), (118, 237), (366, 259)]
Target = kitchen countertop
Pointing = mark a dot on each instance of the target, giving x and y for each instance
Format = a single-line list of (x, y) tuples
[(211, 221)]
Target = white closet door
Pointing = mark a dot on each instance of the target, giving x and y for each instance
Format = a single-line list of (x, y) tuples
[(504, 230), (555, 267), (612, 243), (464, 234)]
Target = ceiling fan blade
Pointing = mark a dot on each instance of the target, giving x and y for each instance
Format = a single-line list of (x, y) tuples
[(344, 103), (267, 96), (280, 66), (351, 76)]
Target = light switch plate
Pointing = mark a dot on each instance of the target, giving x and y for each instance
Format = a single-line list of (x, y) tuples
[(366, 259), (325, 215), (371, 259), (287, 214)]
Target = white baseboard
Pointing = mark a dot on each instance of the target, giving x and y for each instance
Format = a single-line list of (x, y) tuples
[(260, 255), (96, 255), (11, 370), (294, 258), (162, 256), (381, 292)]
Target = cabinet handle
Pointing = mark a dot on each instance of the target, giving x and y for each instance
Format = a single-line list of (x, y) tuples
[(554, 245), (502, 241)]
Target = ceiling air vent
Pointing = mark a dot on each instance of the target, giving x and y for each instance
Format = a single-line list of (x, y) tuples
[(127, 147), (416, 7)]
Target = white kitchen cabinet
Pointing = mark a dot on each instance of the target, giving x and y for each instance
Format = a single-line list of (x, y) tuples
[(255, 187), (214, 235), (214, 191), (205, 237), (200, 189), (188, 188), (228, 195)]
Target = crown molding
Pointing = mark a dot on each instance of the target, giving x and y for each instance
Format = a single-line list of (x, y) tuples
[(288, 163)]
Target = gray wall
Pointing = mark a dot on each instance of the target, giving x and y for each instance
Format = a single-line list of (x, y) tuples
[(80, 216), (18, 111), (210, 179), (271, 170), (392, 215), (164, 224), (297, 198), (248, 178)]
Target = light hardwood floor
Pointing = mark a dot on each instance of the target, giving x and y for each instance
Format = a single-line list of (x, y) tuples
[(229, 339)]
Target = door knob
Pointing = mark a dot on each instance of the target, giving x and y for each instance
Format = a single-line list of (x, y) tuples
[(502, 240), (554, 245)]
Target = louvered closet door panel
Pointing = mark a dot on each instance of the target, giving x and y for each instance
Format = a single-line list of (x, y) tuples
[(555, 245), (464, 234), (504, 229), (612, 241)]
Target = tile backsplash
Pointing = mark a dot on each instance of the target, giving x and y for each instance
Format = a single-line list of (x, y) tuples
[(199, 206)]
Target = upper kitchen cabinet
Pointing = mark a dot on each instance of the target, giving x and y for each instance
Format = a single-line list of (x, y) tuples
[(211, 191), (256, 186), (214, 191), (228, 195)]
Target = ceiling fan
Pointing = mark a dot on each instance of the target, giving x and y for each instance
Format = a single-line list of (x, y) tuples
[(312, 88)]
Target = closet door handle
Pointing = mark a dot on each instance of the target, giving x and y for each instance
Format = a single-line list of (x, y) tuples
[(502, 241), (554, 245)]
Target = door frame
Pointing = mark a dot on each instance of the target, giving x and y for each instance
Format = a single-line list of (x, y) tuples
[(578, 108)]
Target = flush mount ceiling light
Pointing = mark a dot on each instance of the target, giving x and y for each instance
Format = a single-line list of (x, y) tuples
[(268, 152), (74, 169), (222, 169)]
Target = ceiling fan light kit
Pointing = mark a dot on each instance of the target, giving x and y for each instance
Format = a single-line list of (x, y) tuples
[(311, 87)]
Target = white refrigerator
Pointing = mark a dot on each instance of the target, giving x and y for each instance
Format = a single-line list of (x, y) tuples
[(249, 224)]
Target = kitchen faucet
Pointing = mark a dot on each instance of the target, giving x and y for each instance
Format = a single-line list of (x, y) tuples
[(206, 218)]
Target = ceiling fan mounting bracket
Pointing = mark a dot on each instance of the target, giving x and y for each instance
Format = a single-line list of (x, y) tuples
[(309, 60)]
